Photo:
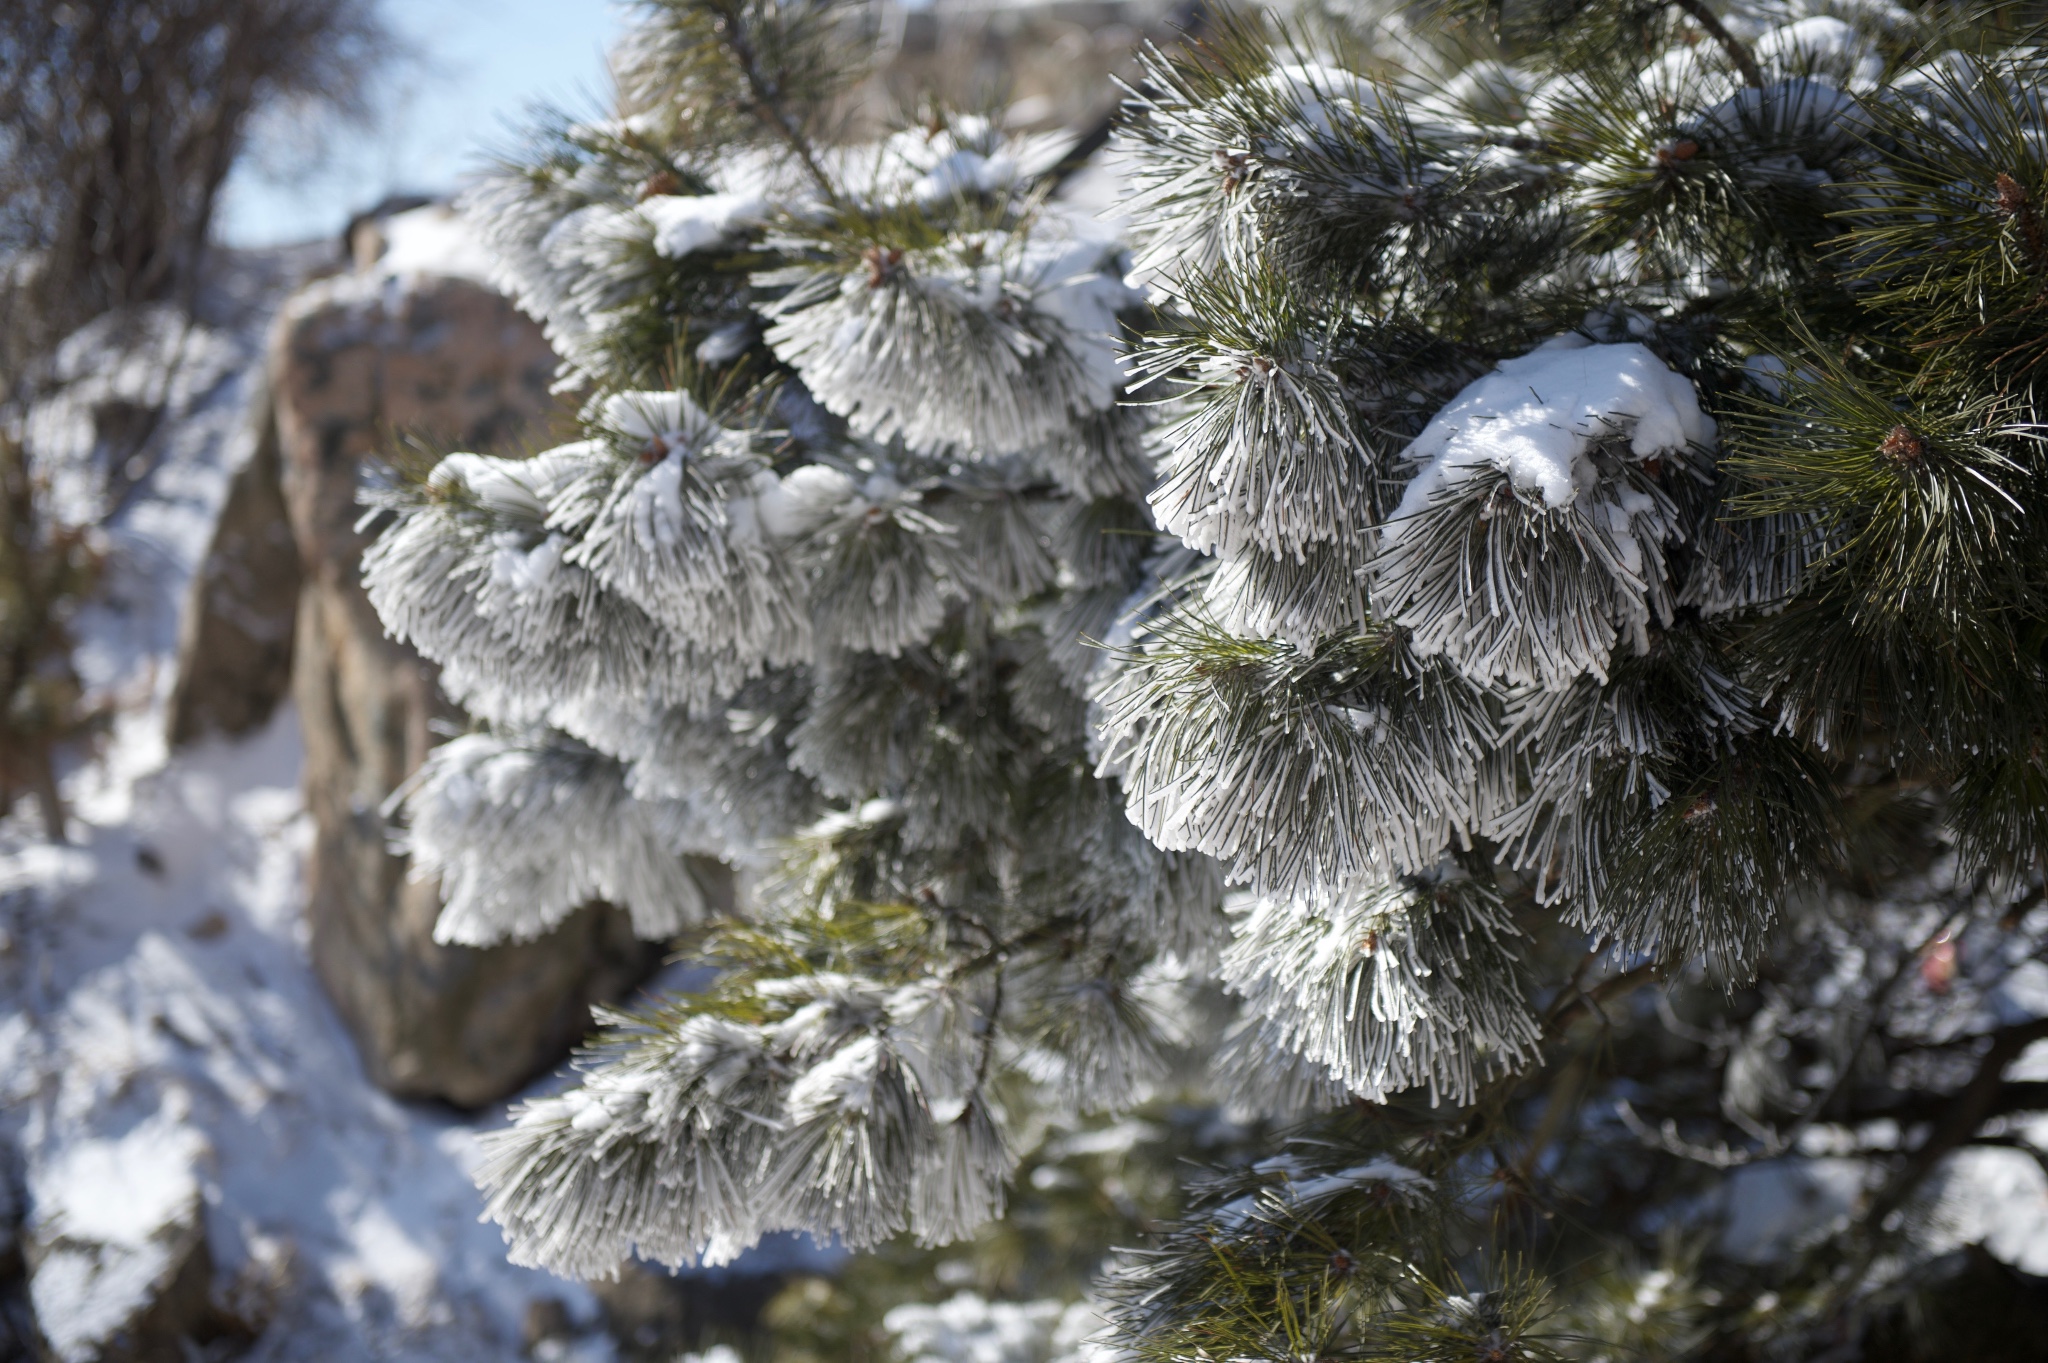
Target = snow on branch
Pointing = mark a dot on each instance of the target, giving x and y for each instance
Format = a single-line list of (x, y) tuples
[(1390, 985), (523, 833), (1262, 451), (821, 1102), (1531, 541), (1295, 770), (682, 528), (472, 575), (986, 342)]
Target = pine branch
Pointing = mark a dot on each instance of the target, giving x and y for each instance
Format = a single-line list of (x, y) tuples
[(1577, 1003)]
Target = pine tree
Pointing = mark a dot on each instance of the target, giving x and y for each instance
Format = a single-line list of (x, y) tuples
[(1540, 505)]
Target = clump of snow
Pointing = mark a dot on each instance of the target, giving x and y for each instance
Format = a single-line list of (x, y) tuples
[(1821, 45), (1807, 112), (119, 1191), (1538, 418), (1817, 49), (970, 155), (116, 1219), (1487, 92), (688, 223), (1316, 89), (965, 172), (727, 343), (1298, 1186), (669, 416), (433, 240), (1395, 1177), (1996, 1198)]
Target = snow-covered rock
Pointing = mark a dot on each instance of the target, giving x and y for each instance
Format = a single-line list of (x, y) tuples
[(117, 1248), (432, 240), (234, 663)]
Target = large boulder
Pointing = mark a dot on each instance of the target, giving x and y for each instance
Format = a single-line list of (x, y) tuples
[(235, 634), (357, 362)]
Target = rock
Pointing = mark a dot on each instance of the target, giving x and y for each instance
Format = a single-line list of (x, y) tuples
[(355, 361), (118, 1265), (657, 1316), (235, 636), (547, 1318)]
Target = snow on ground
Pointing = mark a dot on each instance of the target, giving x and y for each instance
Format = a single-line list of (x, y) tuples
[(161, 1032), (207, 375), (156, 984)]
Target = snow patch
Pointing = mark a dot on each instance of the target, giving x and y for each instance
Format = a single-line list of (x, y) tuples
[(1538, 417), (1998, 1199), (434, 240), (1774, 1207), (966, 1328), (118, 1191), (171, 1038), (684, 224)]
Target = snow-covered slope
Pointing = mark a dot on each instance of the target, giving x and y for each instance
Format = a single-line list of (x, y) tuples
[(162, 1038), (156, 987)]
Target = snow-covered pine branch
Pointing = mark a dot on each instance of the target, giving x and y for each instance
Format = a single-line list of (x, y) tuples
[(523, 833), (1531, 539)]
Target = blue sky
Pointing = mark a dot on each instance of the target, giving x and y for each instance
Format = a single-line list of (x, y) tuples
[(478, 64)]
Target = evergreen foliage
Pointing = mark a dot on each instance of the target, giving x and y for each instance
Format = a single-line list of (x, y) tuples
[(1554, 487)]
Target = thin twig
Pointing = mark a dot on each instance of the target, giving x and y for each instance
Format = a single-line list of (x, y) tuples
[(988, 1032), (1564, 1014), (1737, 51), (1666, 1138), (767, 102)]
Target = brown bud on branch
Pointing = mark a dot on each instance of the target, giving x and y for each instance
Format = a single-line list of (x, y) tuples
[(1903, 448), (2015, 206)]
